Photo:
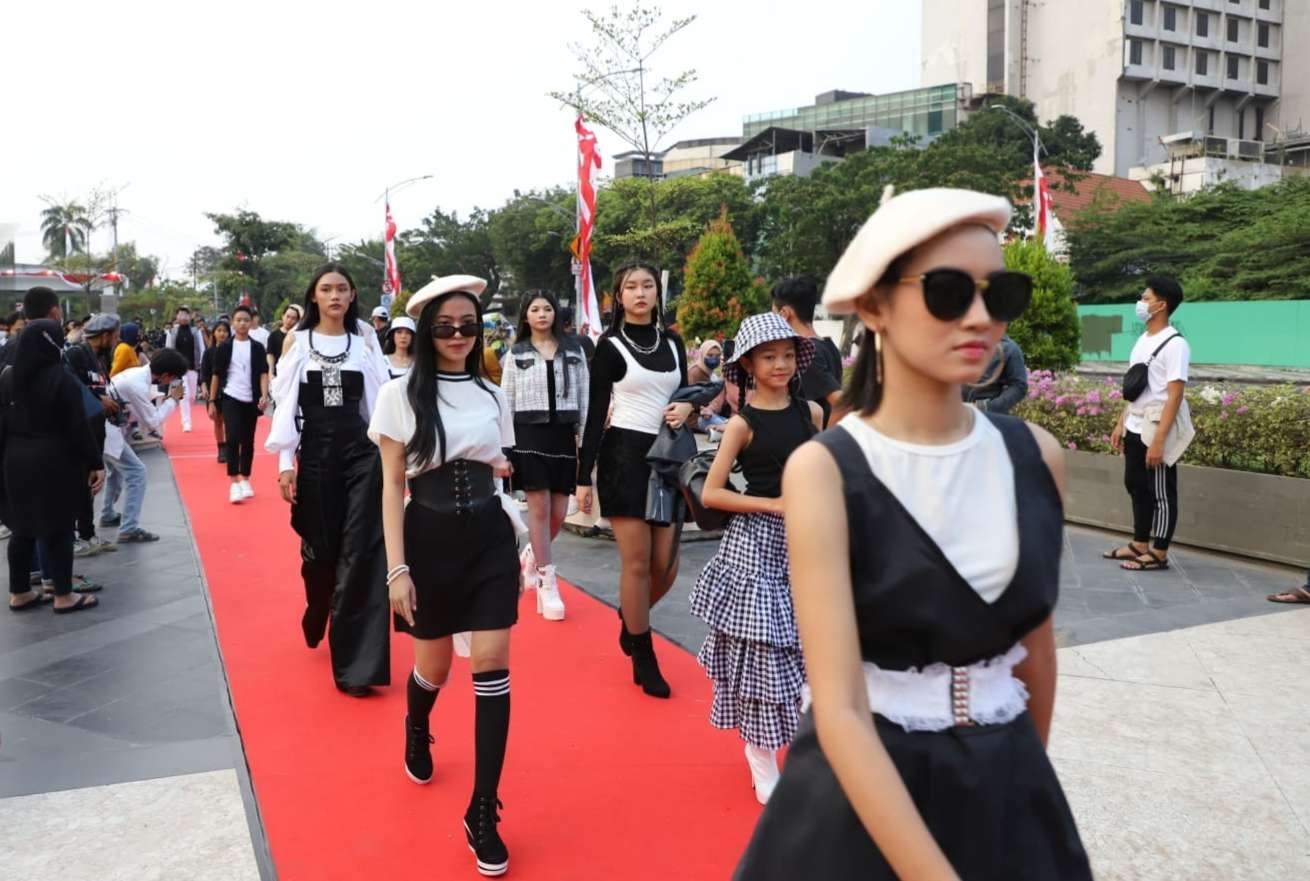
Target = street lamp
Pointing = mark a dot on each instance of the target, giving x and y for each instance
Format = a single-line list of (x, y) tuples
[(1023, 124), (396, 186)]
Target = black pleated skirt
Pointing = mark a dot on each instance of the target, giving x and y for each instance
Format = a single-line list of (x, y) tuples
[(988, 795), (545, 457), (622, 474), (465, 569)]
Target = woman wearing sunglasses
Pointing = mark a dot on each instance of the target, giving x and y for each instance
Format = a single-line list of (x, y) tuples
[(327, 386), (452, 561), (925, 541)]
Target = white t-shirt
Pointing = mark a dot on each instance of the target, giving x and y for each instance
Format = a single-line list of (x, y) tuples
[(237, 383), (961, 494), (260, 334), (1169, 366), (477, 421)]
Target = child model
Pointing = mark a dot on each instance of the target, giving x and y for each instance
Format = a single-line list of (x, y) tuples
[(238, 392), (743, 594), (452, 561), (924, 539)]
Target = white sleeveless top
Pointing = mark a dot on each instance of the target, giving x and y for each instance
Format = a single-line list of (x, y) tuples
[(641, 396)]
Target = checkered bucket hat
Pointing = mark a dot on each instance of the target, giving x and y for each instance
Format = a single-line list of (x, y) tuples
[(760, 329)]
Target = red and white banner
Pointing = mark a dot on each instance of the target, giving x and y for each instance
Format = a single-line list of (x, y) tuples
[(588, 159), (391, 280), (1041, 195)]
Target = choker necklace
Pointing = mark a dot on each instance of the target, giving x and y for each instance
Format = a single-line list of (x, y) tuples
[(641, 350), (330, 366)]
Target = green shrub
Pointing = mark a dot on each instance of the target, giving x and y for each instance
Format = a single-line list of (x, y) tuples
[(719, 290), (1048, 332)]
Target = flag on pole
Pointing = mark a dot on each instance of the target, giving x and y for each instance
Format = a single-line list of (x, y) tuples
[(391, 279), (588, 159), (1041, 195)]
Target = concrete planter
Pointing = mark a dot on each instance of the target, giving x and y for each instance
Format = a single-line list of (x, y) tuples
[(1255, 515)]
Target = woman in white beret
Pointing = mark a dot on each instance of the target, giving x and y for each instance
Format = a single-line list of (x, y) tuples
[(924, 538)]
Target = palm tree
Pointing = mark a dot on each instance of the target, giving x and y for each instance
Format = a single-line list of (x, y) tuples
[(62, 225)]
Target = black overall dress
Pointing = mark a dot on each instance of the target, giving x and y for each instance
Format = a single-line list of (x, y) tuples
[(987, 793), (338, 516)]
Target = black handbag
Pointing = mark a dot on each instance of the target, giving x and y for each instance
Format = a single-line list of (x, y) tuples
[(1135, 380), (691, 479)]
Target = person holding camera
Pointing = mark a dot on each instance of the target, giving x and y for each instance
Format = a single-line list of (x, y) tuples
[(132, 387)]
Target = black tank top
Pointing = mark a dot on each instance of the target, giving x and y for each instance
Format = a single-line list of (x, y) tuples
[(774, 435)]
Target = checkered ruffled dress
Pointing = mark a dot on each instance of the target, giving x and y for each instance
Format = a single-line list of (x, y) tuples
[(752, 652)]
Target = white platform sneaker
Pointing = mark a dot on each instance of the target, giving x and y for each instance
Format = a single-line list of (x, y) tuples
[(247, 491), (235, 494), (549, 604), (764, 771), (527, 568)]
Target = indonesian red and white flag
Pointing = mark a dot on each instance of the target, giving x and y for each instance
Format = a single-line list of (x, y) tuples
[(588, 159), (391, 280), (1041, 195)]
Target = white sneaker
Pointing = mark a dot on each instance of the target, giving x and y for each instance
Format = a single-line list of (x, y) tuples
[(528, 568), (764, 771), (235, 494), (549, 604), (463, 643), (186, 428), (247, 491)]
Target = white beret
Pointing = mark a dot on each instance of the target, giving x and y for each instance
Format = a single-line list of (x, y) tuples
[(901, 223), (444, 285)]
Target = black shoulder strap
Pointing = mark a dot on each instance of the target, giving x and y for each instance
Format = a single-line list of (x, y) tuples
[(802, 407), (1161, 346), (851, 461)]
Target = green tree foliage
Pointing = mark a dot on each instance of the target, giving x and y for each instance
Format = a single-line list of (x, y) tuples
[(156, 305), (63, 224), (1048, 332), (530, 237), (445, 245), (140, 269), (1224, 243), (720, 290), (266, 259)]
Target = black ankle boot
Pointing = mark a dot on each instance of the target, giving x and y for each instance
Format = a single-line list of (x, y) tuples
[(645, 668), (625, 638), (418, 751), (480, 829)]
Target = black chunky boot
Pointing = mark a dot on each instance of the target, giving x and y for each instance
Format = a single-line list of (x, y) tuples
[(625, 638), (418, 751), (480, 829), (645, 667)]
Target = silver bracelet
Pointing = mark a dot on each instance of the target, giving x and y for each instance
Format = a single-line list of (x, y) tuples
[(396, 573)]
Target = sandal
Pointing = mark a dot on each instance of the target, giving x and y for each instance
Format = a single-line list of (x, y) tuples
[(39, 600), (1295, 595), (1147, 562), (1127, 552), (81, 584), (83, 602)]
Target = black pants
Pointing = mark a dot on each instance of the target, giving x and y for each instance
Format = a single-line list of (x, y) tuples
[(1154, 492), (58, 561), (239, 419)]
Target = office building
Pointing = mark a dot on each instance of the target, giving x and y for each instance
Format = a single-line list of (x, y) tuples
[(688, 157), (1213, 81)]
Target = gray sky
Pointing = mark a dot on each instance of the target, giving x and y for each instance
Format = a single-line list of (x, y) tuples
[(305, 112)]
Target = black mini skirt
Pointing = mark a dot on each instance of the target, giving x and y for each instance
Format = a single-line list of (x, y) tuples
[(622, 474)]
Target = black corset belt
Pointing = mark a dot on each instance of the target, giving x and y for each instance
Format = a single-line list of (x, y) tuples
[(458, 487)]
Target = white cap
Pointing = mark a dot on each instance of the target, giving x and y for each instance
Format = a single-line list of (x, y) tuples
[(381, 312), (900, 224), (404, 322)]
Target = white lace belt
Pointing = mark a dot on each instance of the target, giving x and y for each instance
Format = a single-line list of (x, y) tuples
[(939, 697)]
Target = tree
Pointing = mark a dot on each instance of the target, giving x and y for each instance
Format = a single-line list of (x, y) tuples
[(64, 224), (140, 269), (628, 101), (530, 236), (445, 245), (266, 259), (720, 290), (1048, 332)]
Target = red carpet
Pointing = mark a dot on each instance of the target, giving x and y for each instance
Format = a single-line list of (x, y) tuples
[(600, 781)]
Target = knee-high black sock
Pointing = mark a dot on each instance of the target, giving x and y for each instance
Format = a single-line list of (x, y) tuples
[(491, 729), (421, 696)]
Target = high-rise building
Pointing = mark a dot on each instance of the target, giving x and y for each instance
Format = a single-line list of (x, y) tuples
[(1143, 74)]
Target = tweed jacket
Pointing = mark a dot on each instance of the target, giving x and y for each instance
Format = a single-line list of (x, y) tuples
[(524, 382)]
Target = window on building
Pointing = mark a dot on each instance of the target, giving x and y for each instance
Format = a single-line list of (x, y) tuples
[(1169, 58), (1232, 30), (1264, 4), (1202, 63), (1241, 125), (1262, 35), (1135, 12), (1134, 51), (1259, 124), (1232, 67), (1210, 126), (1202, 24), (995, 42), (1170, 18), (1262, 72)]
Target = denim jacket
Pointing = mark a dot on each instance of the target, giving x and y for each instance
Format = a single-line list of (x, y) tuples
[(524, 382)]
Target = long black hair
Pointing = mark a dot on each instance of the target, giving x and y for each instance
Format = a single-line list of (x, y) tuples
[(523, 333), (864, 393), (620, 276), (311, 316), (422, 387)]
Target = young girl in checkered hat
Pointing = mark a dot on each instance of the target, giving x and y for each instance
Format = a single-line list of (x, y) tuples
[(744, 594)]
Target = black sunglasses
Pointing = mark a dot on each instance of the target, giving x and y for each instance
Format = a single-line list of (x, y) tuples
[(448, 331), (948, 293)]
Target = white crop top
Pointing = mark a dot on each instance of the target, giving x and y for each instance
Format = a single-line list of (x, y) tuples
[(961, 494)]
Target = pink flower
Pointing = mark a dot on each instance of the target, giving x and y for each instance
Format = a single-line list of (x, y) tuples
[(1093, 411), (1082, 411), (1223, 414), (1228, 399), (1071, 445), (1093, 397), (1242, 410), (1116, 395)]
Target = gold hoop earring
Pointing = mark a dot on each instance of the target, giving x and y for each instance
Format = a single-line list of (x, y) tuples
[(877, 357)]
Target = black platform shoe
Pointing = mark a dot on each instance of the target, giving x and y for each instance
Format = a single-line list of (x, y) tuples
[(418, 752), (480, 829), (645, 667)]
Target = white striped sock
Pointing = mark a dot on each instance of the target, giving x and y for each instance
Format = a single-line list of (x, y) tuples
[(491, 687), (423, 683)]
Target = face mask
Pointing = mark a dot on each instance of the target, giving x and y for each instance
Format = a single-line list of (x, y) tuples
[(1143, 311), (712, 361), (4, 334)]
